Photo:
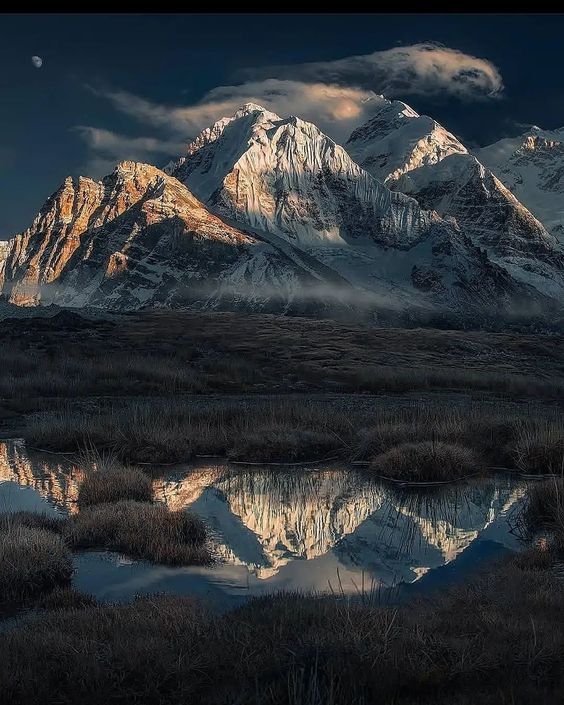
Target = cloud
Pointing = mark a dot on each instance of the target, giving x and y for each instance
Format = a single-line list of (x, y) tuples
[(335, 95), (107, 148), (335, 109), (419, 69)]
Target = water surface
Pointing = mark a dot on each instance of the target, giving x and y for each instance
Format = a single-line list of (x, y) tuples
[(324, 528)]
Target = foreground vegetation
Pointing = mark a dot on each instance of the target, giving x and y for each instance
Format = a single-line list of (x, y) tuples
[(32, 561), (498, 640), (139, 386), (35, 549), (141, 530), (416, 442)]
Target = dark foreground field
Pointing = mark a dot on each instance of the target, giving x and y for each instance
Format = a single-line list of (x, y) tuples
[(416, 404), (171, 352), (498, 640), (409, 405)]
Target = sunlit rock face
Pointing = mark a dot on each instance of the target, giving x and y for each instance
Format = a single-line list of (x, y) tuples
[(268, 214), (415, 155), (283, 178), (139, 238)]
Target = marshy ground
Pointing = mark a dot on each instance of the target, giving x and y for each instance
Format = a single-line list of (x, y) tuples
[(408, 405)]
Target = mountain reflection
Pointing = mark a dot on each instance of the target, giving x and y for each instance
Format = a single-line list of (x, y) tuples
[(331, 519)]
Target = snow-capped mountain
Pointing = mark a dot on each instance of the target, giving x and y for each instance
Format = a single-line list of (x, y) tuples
[(139, 237), (531, 166), (268, 213), (415, 155), (286, 180)]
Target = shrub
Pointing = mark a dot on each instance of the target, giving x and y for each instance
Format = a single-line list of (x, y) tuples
[(31, 520), (109, 481), (32, 561), (141, 530), (544, 509), (426, 461)]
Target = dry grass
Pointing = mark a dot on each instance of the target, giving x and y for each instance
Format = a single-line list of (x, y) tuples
[(31, 520), (498, 640), (297, 430), (141, 530), (107, 481), (426, 461), (32, 561), (539, 448), (284, 445), (64, 598), (544, 510), (175, 352)]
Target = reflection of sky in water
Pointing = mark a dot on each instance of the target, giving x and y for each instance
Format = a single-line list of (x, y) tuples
[(301, 529)]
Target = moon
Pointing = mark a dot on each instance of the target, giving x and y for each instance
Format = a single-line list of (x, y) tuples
[(37, 61)]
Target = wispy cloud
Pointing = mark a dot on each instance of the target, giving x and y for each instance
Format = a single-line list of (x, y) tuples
[(335, 95), (336, 109), (425, 69), (107, 148)]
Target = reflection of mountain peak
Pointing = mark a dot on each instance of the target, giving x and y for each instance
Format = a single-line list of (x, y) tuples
[(317, 520)]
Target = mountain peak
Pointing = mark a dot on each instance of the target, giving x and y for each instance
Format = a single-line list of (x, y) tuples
[(249, 108), (396, 140)]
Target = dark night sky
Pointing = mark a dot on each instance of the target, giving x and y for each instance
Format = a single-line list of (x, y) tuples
[(174, 60)]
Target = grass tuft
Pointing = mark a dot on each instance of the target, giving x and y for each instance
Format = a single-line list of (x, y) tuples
[(32, 561), (284, 445), (426, 461), (31, 520), (107, 481), (539, 448), (141, 530)]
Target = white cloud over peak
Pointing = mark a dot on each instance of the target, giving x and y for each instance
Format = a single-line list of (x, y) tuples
[(108, 148), (418, 69), (336, 95), (335, 109)]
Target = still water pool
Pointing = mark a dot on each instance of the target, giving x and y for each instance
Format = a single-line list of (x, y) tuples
[(327, 528)]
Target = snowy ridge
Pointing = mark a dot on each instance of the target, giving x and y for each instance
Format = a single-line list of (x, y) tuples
[(285, 178), (268, 213), (397, 139), (531, 166), (415, 155)]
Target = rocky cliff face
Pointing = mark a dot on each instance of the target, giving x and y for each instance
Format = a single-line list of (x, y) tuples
[(140, 238), (269, 214), (285, 179)]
